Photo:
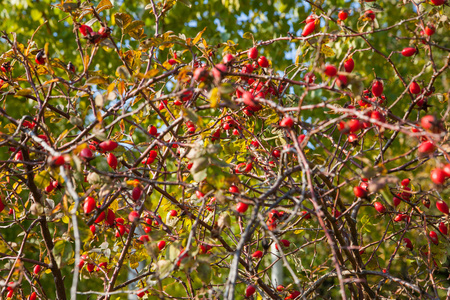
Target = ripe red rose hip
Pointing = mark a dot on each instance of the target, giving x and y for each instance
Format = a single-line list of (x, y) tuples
[(409, 51), (108, 145), (89, 205), (133, 216), (442, 207), (379, 207), (263, 62), (250, 290), (437, 176), (377, 88), (252, 53), (434, 237), (287, 122), (330, 70), (257, 254), (349, 64), (36, 269), (414, 88), (443, 228), (309, 28), (112, 160), (342, 15), (241, 207), (408, 243), (359, 192), (161, 245)]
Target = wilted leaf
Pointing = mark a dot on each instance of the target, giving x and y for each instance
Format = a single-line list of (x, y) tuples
[(104, 4), (122, 19)]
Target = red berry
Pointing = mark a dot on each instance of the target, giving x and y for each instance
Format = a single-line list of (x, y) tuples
[(409, 51), (430, 123), (250, 290), (438, 2), (405, 182), (218, 71), (161, 245), (309, 28), (369, 14), (263, 62), (306, 215), (110, 218), (252, 53), (379, 207), (287, 122), (32, 296), (40, 57), (438, 176), (120, 231), (86, 153), (228, 58), (276, 153), (342, 15), (233, 189), (359, 192), (280, 288), (241, 207), (397, 200), (140, 293), (354, 125), (430, 30), (199, 194), (285, 243), (18, 156), (399, 217), (100, 217), (173, 213), (408, 243), (136, 193), (349, 64), (152, 130), (104, 32), (442, 207), (426, 147), (443, 228), (92, 229), (434, 237), (310, 77), (112, 160), (414, 88), (257, 254), (144, 238), (352, 138), (108, 145), (89, 205), (330, 70), (200, 74), (446, 170), (133, 216), (85, 30), (377, 88), (37, 269)]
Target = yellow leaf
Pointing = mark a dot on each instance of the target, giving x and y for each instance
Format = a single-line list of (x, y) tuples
[(198, 36), (214, 97), (104, 4), (327, 51)]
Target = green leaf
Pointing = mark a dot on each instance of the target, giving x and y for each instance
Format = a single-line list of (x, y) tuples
[(186, 2), (204, 272)]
